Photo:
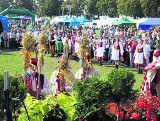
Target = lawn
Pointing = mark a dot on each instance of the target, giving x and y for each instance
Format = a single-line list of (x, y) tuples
[(12, 61)]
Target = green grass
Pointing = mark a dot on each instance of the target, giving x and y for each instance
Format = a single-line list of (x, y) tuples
[(12, 61)]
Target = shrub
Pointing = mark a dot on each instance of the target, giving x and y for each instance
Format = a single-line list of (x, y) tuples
[(121, 82), (91, 95), (52, 108), (16, 88)]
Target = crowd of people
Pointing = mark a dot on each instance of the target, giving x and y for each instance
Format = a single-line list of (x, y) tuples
[(113, 44), (130, 47)]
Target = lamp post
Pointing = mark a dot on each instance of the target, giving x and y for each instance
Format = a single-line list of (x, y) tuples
[(7, 113)]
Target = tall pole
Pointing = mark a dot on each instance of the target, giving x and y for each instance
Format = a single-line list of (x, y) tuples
[(7, 112)]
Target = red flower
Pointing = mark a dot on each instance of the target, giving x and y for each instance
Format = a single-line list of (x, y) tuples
[(148, 115), (112, 107), (129, 110), (121, 115), (127, 116), (149, 106), (135, 115), (141, 103), (153, 118)]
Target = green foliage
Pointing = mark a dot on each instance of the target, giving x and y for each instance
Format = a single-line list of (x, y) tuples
[(52, 108), (16, 88), (112, 8), (92, 95), (67, 103), (121, 81), (102, 7), (25, 4), (129, 8), (49, 7), (150, 7), (5, 4)]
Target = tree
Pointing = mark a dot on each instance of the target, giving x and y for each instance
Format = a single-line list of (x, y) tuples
[(121, 82), (102, 7), (150, 7), (75, 7), (24, 4), (92, 8), (112, 8), (5, 4), (129, 8), (49, 7), (158, 11)]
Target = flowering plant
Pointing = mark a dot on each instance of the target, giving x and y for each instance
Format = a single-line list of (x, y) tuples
[(141, 108)]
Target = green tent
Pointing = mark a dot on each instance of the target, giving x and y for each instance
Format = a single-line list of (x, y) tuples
[(123, 21), (12, 11), (13, 17)]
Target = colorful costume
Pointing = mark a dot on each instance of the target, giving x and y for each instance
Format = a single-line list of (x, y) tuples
[(151, 83), (62, 78), (32, 82), (58, 45), (73, 39), (117, 52), (100, 52), (139, 59), (58, 85)]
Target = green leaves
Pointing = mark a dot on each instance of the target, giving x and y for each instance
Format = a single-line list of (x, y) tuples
[(50, 109), (121, 82), (67, 103), (91, 94)]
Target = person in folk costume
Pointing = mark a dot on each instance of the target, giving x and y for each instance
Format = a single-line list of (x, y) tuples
[(117, 52), (77, 44), (157, 48), (67, 38), (151, 83), (106, 47), (154, 41), (100, 51), (139, 58), (58, 47), (131, 47), (32, 80), (66, 49), (52, 44), (147, 49), (124, 49), (86, 70), (62, 78), (73, 40)]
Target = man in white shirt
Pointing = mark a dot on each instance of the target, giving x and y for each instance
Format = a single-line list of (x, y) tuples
[(12, 37), (33, 83)]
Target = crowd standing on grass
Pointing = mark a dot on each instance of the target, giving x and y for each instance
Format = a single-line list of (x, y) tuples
[(112, 44), (119, 45)]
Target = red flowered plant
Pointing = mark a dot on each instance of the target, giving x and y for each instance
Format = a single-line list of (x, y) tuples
[(143, 107)]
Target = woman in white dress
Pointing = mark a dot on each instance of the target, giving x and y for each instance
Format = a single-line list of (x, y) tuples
[(100, 52), (139, 57), (117, 52), (77, 44)]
